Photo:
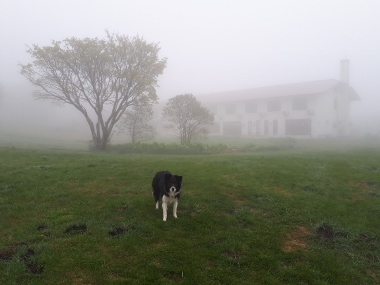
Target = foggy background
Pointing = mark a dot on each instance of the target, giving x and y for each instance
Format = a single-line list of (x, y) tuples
[(211, 46)]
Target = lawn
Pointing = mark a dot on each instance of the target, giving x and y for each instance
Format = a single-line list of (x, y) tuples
[(271, 217)]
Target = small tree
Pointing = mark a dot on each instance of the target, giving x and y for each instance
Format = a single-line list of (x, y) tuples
[(135, 123), (189, 120), (100, 78)]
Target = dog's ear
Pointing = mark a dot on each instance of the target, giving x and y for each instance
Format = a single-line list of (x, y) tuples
[(167, 176), (179, 178)]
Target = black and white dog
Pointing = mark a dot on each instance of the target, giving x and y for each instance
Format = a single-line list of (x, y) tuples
[(168, 188)]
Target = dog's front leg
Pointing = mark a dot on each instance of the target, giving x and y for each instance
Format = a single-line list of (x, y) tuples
[(175, 209), (164, 210)]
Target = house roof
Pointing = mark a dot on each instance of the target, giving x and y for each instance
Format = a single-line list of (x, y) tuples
[(303, 88)]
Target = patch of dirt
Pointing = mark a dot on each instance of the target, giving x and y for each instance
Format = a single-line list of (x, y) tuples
[(229, 176), (47, 235), (34, 267), (375, 274), (174, 276), (296, 239), (236, 197), (368, 188), (233, 254), (367, 239), (41, 227), (325, 232), (76, 229), (124, 208), (369, 184), (372, 257), (7, 254), (81, 278), (40, 167), (26, 255), (328, 233), (374, 194), (117, 231), (282, 191), (235, 258), (239, 202)]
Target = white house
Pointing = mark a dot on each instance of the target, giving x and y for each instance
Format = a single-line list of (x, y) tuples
[(308, 109)]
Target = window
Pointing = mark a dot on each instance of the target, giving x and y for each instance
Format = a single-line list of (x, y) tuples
[(231, 109), (274, 106), (275, 127), (299, 104), (258, 127), (251, 107), (250, 127), (266, 127)]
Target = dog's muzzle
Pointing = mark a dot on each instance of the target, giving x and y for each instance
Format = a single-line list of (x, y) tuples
[(172, 192)]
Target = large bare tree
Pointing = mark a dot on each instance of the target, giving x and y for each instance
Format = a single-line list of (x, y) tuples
[(101, 78), (189, 120)]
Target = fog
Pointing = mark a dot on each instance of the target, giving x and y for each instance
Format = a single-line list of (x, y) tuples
[(211, 46)]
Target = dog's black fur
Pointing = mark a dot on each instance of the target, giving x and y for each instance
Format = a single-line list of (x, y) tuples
[(168, 188)]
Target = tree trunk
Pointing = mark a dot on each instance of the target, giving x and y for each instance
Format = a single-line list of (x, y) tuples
[(101, 143)]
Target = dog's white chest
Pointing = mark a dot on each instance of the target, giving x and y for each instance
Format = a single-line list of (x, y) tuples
[(170, 199)]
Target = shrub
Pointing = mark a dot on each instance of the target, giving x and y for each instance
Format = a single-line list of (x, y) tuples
[(173, 148), (270, 145)]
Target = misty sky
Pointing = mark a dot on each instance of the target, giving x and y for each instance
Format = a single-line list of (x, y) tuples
[(212, 45)]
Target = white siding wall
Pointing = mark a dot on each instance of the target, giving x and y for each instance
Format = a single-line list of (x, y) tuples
[(328, 112), (325, 115), (320, 110)]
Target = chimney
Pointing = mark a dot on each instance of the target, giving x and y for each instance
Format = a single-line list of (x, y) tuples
[(344, 70)]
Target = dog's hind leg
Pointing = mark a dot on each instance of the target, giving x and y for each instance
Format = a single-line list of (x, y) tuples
[(175, 209), (157, 204)]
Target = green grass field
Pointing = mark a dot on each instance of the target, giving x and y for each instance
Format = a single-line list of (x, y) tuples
[(285, 217)]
